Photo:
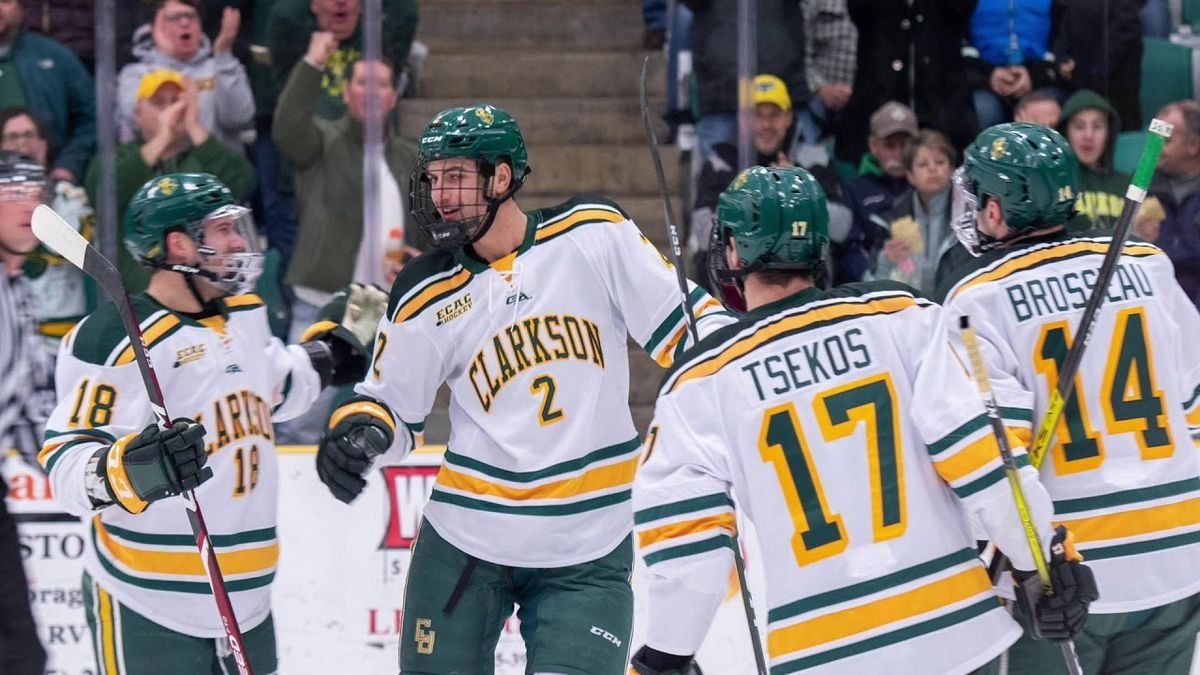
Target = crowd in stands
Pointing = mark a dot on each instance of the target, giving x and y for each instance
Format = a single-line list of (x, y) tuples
[(875, 97)]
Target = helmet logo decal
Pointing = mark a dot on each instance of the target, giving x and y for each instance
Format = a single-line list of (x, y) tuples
[(1065, 193), (999, 148), (484, 115), (741, 179), (167, 185), (799, 229)]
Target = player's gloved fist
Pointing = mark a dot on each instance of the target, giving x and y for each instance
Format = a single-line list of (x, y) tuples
[(339, 343), (1063, 614), (347, 450), (155, 464), (648, 661)]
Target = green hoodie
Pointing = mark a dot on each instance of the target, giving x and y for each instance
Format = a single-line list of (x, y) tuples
[(1102, 189)]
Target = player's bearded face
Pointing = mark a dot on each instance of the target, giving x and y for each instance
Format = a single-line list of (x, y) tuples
[(454, 199), (17, 202), (229, 254)]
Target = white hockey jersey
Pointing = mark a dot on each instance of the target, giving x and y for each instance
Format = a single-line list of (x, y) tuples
[(1123, 469), (228, 373), (542, 452), (858, 447)]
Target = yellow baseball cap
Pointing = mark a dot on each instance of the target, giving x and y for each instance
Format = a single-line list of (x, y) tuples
[(771, 89), (155, 79)]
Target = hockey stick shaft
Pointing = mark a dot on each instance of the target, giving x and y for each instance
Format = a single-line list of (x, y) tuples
[(1160, 131), (51, 229), (739, 563), (1014, 479)]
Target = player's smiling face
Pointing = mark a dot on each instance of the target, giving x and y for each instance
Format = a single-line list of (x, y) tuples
[(457, 188)]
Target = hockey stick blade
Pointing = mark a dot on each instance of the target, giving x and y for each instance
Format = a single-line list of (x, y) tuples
[(52, 230)]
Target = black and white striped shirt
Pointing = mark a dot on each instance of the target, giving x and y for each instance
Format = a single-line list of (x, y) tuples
[(26, 369)]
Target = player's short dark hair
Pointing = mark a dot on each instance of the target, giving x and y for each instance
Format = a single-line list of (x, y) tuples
[(930, 140), (1035, 96), (783, 277)]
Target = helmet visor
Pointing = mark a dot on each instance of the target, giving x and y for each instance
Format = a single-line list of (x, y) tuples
[(964, 212), (231, 255)]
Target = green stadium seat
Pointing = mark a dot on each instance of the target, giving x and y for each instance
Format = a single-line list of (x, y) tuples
[(1129, 147), (1168, 72), (1191, 12)]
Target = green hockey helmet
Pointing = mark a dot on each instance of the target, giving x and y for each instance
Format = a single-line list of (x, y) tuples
[(1028, 168), (778, 220), (202, 207), (464, 207)]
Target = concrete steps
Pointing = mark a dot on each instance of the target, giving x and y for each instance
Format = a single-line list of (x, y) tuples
[(540, 74), (594, 120), (499, 26)]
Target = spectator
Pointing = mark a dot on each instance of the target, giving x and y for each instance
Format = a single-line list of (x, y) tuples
[(920, 231), (1038, 107), (911, 52), (1009, 55), (882, 178), (26, 399), (170, 139), (714, 58), (342, 18), (68, 21), (43, 75), (831, 44), (775, 144), (1099, 47), (654, 16), (1090, 125), (61, 293), (1176, 186), (226, 105)]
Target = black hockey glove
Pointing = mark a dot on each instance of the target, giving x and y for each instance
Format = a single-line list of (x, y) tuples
[(347, 449), (1063, 614), (339, 343), (649, 661), (155, 464)]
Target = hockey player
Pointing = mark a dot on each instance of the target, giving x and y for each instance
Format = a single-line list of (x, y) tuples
[(859, 449), (1122, 470), (525, 317), (147, 598)]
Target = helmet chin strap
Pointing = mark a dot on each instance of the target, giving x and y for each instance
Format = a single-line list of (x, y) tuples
[(189, 273), (489, 218)]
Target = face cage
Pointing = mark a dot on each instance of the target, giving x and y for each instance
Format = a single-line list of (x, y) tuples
[(449, 235), (964, 215), (726, 283), (234, 272)]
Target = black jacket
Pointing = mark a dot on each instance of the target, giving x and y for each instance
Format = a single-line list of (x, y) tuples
[(915, 57), (1104, 37), (715, 55)]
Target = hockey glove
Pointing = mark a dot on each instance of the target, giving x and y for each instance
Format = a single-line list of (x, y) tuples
[(348, 448), (1063, 614), (339, 343), (155, 464), (649, 661)]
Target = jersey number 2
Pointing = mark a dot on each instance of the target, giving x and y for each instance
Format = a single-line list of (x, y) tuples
[(870, 401), (1129, 395), (548, 414)]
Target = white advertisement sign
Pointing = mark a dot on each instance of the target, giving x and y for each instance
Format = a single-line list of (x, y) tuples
[(339, 588)]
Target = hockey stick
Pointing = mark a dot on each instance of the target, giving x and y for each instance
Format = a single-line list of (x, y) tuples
[(53, 231), (1014, 480), (1160, 131), (690, 321)]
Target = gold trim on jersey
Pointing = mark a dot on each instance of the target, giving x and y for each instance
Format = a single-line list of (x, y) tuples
[(246, 301), (108, 633), (963, 585), (318, 328), (56, 329), (721, 521), (185, 562), (666, 353), (1135, 522), (151, 335), (593, 480), (976, 455), (418, 301), (748, 343), (1041, 256), (556, 227)]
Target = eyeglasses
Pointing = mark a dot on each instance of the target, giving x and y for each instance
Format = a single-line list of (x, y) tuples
[(20, 137), (181, 16)]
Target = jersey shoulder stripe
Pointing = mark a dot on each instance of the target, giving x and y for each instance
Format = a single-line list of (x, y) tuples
[(242, 303), (427, 279), (154, 330), (555, 221), (1007, 263), (729, 343), (98, 336)]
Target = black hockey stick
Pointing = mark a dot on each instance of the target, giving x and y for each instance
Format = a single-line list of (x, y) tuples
[(690, 320), (1014, 481), (64, 240)]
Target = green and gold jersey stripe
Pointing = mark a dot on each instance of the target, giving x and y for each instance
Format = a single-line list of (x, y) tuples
[(430, 294), (161, 329), (590, 213)]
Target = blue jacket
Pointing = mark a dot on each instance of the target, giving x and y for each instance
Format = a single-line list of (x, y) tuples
[(1179, 235), (59, 92), (991, 26)]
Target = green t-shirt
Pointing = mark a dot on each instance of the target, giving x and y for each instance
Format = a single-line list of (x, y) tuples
[(11, 92)]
